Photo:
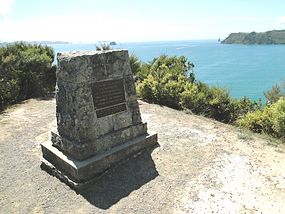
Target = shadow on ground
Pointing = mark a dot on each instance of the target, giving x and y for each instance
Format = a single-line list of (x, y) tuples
[(121, 180)]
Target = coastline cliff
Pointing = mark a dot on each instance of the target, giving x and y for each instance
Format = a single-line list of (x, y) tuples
[(269, 37)]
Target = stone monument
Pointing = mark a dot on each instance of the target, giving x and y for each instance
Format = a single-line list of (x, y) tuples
[(98, 117)]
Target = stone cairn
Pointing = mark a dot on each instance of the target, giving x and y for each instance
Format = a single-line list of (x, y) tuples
[(98, 118)]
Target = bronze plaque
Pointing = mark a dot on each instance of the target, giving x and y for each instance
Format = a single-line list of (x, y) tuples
[(109, 97), (111, 110)]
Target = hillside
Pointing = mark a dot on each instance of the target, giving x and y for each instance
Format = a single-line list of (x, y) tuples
[(201, 166), (269, 37)]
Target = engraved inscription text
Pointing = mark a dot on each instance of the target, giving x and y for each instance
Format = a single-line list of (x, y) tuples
[(109, 97)]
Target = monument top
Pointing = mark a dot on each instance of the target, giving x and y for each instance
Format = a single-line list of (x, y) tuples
[(91, 66), (71, 54)]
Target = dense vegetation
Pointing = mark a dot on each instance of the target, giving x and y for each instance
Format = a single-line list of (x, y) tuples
[(26, 71), (269, 37), (171, 81)]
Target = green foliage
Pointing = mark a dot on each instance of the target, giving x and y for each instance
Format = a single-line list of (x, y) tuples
[(240, 107), (278, 117), (161, 93), (103, 46), (135, 64), (275, 93), (209, 101), (25, 71), (146, 89), (215, 102), (163, 79), (257, 121), (270, 120)]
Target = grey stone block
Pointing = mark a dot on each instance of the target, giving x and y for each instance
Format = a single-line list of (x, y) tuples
[(82, 151), (79, 173)]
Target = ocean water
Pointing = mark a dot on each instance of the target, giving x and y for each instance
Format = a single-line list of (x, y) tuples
[(245, 70)]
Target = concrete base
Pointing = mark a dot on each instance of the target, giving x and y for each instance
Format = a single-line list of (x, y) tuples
[(79, 173)]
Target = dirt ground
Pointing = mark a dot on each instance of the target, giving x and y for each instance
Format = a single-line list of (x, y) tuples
[(201, 166)]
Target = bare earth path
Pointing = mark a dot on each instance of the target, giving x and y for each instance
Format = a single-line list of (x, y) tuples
[(201, 166)]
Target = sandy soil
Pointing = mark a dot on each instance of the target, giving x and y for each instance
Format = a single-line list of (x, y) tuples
[(201, 166)]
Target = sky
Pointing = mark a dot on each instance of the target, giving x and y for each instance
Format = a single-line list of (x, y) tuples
[(89, 21)]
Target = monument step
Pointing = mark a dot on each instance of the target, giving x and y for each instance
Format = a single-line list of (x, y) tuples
[(79, 173), (82, 151)]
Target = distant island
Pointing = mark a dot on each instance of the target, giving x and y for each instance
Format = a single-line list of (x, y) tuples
[(36, 42), (49, 42), (46, 42), (270, 37)]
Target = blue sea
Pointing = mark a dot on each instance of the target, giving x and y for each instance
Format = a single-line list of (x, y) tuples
[(245, 70)]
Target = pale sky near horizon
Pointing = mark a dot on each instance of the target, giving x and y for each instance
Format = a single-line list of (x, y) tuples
[(89, 21)]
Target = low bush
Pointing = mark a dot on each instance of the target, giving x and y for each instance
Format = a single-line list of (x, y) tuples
[(275, 93), (270, 120), (278, 117), (257, 121), (162, 80), (26, 71), (209, 101)]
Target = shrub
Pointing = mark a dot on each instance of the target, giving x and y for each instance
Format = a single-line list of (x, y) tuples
[(275, 93), (169, 94), (270, 120), (278, 117), (146, 89), (163, 68), (164, 94), (240, 107), (135, 64), (258, 121), (25, 71), (214, 102), (218, 103), (162, 80)]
